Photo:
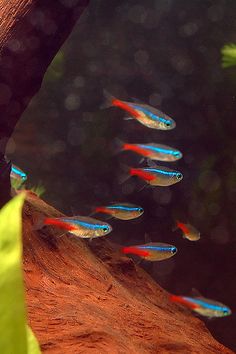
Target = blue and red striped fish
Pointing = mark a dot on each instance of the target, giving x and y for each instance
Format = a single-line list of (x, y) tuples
[(81, 226), (152, 251), (124, 211), (153, 151), (145, 114), (205, 307)]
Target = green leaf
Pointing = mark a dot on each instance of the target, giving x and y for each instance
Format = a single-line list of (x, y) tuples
[(13, 330), (33, 346), (228, 55)]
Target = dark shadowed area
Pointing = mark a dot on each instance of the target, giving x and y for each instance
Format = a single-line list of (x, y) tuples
[(167, 54)]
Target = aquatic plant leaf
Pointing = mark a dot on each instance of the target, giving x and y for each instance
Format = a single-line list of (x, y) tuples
[(228, 55), (32, 343), (13, 339)]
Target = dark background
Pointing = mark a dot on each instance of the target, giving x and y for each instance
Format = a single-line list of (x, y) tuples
[(166, 53)]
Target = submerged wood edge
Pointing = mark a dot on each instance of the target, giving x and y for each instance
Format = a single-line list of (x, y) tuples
[(86, 297)]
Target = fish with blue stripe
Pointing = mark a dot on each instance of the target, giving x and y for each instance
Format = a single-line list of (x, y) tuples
[(124, 211), (80, 226), (147, 115), (158, 176), (152, 251), (202, 306), (18, 177), (153, 151)]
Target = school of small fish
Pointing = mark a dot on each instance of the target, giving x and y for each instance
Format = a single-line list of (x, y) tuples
[(152, 174)]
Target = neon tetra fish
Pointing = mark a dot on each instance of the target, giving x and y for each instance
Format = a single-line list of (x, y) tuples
[(81, 226), (152, 251), (145, 114), (202, 306), (189, 231), (154, 151), (158, 176), (124, 211), (17, 173), (18, 177)]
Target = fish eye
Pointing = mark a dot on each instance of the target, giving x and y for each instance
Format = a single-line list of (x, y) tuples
[(179, 175), (105, 228), (168, 123), (140, 210), (173, 250), (226, 312), (177, 154)]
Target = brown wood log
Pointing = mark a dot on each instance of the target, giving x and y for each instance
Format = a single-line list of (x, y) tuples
[(31, 33), (85, 297)]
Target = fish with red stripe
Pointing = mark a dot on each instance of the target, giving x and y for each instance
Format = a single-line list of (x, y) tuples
[(188, 230), (205, 307), (158, 152), (80, 226), (147, 115), (158, 176), (124, 211), (152, 251)]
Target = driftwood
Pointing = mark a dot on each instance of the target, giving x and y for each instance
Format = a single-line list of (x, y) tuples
[(31, 33), (85, 297)]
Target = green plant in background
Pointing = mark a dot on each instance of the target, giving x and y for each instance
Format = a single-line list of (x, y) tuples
[(16, 337), (228, 55), (56, 68)]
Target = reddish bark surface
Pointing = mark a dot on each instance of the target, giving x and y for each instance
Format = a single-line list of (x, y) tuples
[(87, 298)]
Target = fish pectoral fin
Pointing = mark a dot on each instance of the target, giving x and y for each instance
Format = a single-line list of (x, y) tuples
[(151, 163), (142, 160), (144, 186)]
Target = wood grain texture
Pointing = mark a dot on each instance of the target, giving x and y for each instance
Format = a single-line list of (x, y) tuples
[(87, 298)]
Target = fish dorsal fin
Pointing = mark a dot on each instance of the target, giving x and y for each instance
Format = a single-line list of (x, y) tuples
[(138, 101), (152, 164), (196, 293)]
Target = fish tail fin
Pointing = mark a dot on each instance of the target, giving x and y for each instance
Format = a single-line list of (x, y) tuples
[(176, 225), (108, 100), (125, 175), (38, 221), (118, 146)]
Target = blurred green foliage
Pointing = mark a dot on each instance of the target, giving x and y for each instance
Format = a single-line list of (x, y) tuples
[(55, 70), (16, 337), (39, 189), (228, 55)]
